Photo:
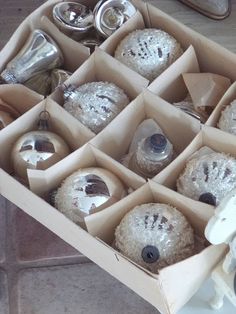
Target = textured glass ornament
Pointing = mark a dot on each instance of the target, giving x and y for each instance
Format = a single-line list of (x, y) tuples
[(148, 52), (208, 177), (109, 15), (39, 53), (227, 120), (95, 104), (152, 155), (87, 191), (38, 149), (73, 18), (155, 236)]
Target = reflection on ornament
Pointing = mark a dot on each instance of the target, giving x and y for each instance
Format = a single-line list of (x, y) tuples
[(95, 104), (39, 53), (208, 177), (227, 120), (151, 156), (87, 191), (38, 149), (109, 15), (148, 52), (154, 236)]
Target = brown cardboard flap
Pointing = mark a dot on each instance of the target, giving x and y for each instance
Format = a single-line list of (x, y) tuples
[(170, 84)]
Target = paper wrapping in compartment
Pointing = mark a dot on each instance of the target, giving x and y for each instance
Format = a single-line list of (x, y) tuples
[(147, 105), (175, 292), (102, 67), (74, 133)]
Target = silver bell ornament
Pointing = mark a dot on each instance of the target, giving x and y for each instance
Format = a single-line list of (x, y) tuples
[(39, 53), (73, 18), (95, 104), (148, 51), (87, 191), (153, 153), (154, 236), (109, 15), (208, 176), (38, 149)]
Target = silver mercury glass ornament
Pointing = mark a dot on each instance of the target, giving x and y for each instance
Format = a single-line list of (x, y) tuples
[(39, 53), (95, 104), (73, 18), (87, 191), (149, 51), (154, 236), (152, 155), (38, 149), (109, 15), (227, 121)]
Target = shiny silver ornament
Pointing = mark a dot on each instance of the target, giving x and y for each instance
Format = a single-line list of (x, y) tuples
[(58, 77), (208, 177), (87, 191), (38, 149), (39, 53), (109, 15), (95, 104), (155, 236), (148, 52), (227, 121), (73, 18), (152, 155)]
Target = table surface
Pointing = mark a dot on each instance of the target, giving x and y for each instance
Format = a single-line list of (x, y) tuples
[(39, 273)]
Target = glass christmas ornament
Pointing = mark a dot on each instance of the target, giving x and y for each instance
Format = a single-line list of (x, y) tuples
[(39, 53), (38, 149), (95, 104), (227, 121), (148, 52), (7, 114), (208, 177), (87, 191), (152, 155), (109, 15), (188, 107), (73, 18), (154, 236)]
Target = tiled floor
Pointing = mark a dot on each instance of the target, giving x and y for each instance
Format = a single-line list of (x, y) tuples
[(41, 274)]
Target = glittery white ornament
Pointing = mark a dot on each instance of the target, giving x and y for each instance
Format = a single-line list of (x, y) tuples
[(95, 104), (154, 236), (87, 191), (227, 120), (208, 178), (148, 52)]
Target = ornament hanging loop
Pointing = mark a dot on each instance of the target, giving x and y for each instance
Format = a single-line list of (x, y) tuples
[(43, 123)]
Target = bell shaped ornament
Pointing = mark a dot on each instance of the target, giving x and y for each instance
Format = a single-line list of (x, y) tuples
[(39, 53)]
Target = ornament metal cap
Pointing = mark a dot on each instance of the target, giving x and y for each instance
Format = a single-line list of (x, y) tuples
[(157, 142)]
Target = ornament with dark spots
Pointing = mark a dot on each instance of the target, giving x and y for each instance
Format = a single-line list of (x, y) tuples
[(160, 54), (155, 217)]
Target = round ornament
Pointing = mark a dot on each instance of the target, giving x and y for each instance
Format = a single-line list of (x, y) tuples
[(227, 120), (148, 52), (154, 236), (95, 104), (38, 149), (208, 178), (87, 191)]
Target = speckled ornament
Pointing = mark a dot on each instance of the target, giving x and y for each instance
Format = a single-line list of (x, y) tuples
[(148, 52), (208, 177), (154, 236), (227, 120), (95, 104), (87, 191)]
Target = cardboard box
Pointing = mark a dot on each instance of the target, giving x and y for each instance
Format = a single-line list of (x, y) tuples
[(174, 285)]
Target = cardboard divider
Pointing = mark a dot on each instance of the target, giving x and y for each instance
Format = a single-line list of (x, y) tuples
[(210, 137), (19, 97), (41, 182), (170, 84), (102, 225), (74, 133), (147, 105), (102, 67), (228, 97)]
